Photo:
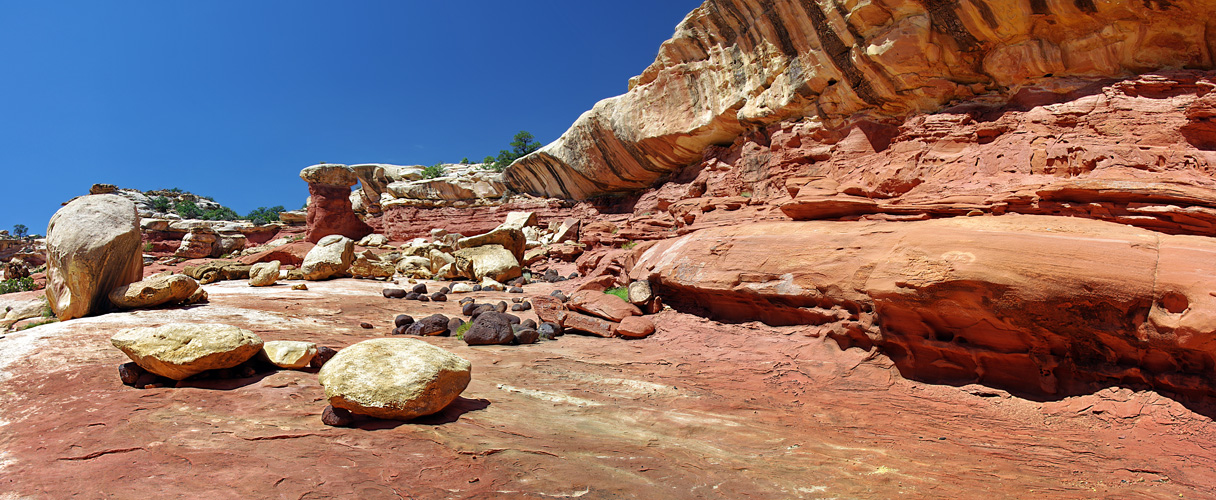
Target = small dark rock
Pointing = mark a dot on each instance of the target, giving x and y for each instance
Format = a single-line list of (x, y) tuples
[(520, 281), (445, 290), (552, 330), (467, 308), (130, 372), (466, 299), (529, 323), (482, 308), (454, 324), (560, 296), (501, 306), (400, 330), (419, 288), (403, 320), (323, 355), (411, 296), (517, 299), (513, 319), (365, 325), (573, 275), (439, 297), (517, 307), (527, 305), (393, 293), (435, 324), (490, 328), (551, 276), (515, 289), (476, 288), (526, 336), (423, 298), (336, 417)]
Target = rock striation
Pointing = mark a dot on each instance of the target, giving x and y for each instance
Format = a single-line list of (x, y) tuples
[(1028, 303), (738, 65)]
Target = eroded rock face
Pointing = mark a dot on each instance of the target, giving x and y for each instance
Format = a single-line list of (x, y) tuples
[(178, 351), (735, 65), (330, 211), (1042, 305), (394, 378), (93, 245)]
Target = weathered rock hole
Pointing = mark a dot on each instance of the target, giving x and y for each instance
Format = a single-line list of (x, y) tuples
[(1174, 302)]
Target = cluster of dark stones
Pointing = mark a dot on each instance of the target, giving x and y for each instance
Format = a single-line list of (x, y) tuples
[(418, 292), (492, 325), (435, 325)]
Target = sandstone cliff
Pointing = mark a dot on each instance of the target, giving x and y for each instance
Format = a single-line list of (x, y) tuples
[(739, 65)]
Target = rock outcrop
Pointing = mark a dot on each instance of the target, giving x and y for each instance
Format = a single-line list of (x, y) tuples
[(396, 379), (330, 210), (1048, 306), (739, 65), (93, 247), (179, 351)]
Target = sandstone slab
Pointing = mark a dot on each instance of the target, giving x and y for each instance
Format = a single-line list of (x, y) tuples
[(178, 351)]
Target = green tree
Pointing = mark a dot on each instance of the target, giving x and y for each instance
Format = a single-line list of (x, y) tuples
[(21, 231), (464, 161), (523, 144)]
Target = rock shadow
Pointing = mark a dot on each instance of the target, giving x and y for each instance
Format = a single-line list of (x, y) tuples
[(450, 414)]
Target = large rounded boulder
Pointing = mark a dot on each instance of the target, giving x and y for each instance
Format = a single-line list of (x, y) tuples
[(179, 351), (93, 247), (394, 378), (164, 288), (332, 256)]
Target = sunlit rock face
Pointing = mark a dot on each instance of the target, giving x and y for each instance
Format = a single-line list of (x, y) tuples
[(739, 65)]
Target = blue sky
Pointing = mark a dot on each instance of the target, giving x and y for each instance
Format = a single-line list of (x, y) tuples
[(232, 98)]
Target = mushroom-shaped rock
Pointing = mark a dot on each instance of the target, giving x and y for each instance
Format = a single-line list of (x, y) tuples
[(155, 290), (180, 350), (394, 378), (93, 247), (289, 354), (332, 256), (264, 273), (330, 211)]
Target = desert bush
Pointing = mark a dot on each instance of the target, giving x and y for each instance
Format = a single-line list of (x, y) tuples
[(619, 291), (17, 285), (434, 171)]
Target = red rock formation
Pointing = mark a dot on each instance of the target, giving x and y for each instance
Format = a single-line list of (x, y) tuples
[(290, 254), (735, 66), (330, 211), (1046, 306), (401, 223)]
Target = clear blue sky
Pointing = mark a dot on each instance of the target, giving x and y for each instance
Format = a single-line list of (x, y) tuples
[(231, 98)]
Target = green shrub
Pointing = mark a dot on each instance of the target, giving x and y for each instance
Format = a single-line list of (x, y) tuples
[(629, 245), (148, 246), (434, 171), (464, 161), (161, 204), (262, 215), (619, 291), (17, 285), (222, 213), (464, 327), (188, 210)]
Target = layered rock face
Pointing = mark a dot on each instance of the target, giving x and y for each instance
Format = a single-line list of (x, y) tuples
[(737, 65), (1042, 305)]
